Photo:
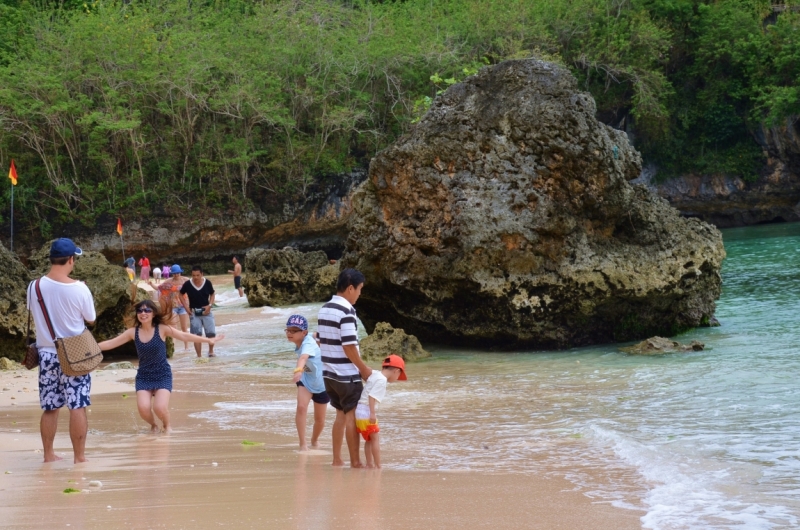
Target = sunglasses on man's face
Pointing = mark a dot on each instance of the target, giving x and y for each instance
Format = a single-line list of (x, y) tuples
[(144, 310)]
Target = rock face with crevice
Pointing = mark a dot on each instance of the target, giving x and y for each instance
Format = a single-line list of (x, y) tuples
[(505, 218), (287, 276)]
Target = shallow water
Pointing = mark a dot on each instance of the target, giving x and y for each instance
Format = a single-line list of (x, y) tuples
[(698, 440)]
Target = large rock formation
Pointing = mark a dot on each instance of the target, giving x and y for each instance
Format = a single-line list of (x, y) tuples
[(288, 276), (14, 278), (505, 218)]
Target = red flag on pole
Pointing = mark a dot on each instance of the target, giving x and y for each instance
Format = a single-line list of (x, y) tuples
[(119, 226), (12, 173)]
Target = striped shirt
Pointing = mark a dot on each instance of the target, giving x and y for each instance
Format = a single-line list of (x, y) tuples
[(337, 327)]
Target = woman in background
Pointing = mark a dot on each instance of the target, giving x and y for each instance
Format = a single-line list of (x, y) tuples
[(169, 297)]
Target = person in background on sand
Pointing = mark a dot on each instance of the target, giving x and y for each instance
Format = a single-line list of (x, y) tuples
[(131, 272), (308, 378), (157, 274), (144, 274), (343, 368), (130, 267), (154, 376), (237, 275), (171, 300), (393, 369), (200, 295), (70, 306), (165, 271)]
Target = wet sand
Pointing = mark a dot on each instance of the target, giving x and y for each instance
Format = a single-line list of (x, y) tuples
[(157, 481)]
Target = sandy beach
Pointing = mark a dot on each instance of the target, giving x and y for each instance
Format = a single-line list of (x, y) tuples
[(202, 476)]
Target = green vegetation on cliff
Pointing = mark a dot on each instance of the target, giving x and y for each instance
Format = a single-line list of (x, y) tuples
[(131, 107)]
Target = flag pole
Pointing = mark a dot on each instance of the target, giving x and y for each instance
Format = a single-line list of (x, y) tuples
[(12, 217), (12, 176), (122, 242)]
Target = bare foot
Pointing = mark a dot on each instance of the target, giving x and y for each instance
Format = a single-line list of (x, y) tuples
[(338, 463), (303, 448), (154, 428), (52, 458), (314, 445), (166, 430), (80, 459), (199, 355), (212, 354), (356, 465)]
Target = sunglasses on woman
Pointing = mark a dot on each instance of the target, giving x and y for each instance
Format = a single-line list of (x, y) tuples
[(144, 310)]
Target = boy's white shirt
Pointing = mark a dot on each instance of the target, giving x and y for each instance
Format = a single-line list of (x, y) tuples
[(375, 387)]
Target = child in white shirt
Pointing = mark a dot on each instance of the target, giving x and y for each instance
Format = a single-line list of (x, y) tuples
[(393, 369)]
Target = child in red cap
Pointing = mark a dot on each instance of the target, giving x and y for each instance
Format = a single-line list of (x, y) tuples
[(393, 369)]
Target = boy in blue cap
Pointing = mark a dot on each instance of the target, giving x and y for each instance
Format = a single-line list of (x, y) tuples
[(308, 378)]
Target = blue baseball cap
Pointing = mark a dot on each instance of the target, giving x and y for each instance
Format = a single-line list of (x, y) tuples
[(297, 321), (63, 248), (175, 269)]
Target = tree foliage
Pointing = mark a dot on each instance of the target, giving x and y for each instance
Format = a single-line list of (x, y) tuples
[(154, 106)]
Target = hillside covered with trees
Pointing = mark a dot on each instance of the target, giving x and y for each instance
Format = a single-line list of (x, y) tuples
[(156, 106)]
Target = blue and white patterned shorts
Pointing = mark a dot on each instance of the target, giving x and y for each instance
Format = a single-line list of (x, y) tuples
[(57, 389)]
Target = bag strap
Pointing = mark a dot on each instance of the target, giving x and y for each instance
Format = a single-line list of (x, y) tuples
[(44, 310), (28, 333)]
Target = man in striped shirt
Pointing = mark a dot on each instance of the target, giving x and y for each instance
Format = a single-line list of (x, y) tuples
[(342, 367)]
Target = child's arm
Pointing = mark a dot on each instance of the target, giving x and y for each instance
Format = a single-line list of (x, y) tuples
[(169, 331), (373, 403), (116, 342), (301, 364)]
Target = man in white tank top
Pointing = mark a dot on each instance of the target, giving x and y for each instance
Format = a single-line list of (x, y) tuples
[(70, 306)]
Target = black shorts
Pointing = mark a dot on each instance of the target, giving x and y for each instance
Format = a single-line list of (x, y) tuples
[(344, 396), (237, 282), (322, 398)]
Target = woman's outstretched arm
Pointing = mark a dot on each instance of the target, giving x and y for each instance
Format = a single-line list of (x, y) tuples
[(117, 341), (169, 331)]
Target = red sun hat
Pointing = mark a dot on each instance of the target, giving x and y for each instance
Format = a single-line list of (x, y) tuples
[(395, 361)]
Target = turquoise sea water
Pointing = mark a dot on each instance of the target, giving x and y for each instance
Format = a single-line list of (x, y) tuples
[(696, 440)]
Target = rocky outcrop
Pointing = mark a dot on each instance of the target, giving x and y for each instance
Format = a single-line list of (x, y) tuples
[(288, 276), (14, 278), (386, 340), (732, 201), (505, 218), (660, 345), (314, 220), (728, 201), (9, 365)]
